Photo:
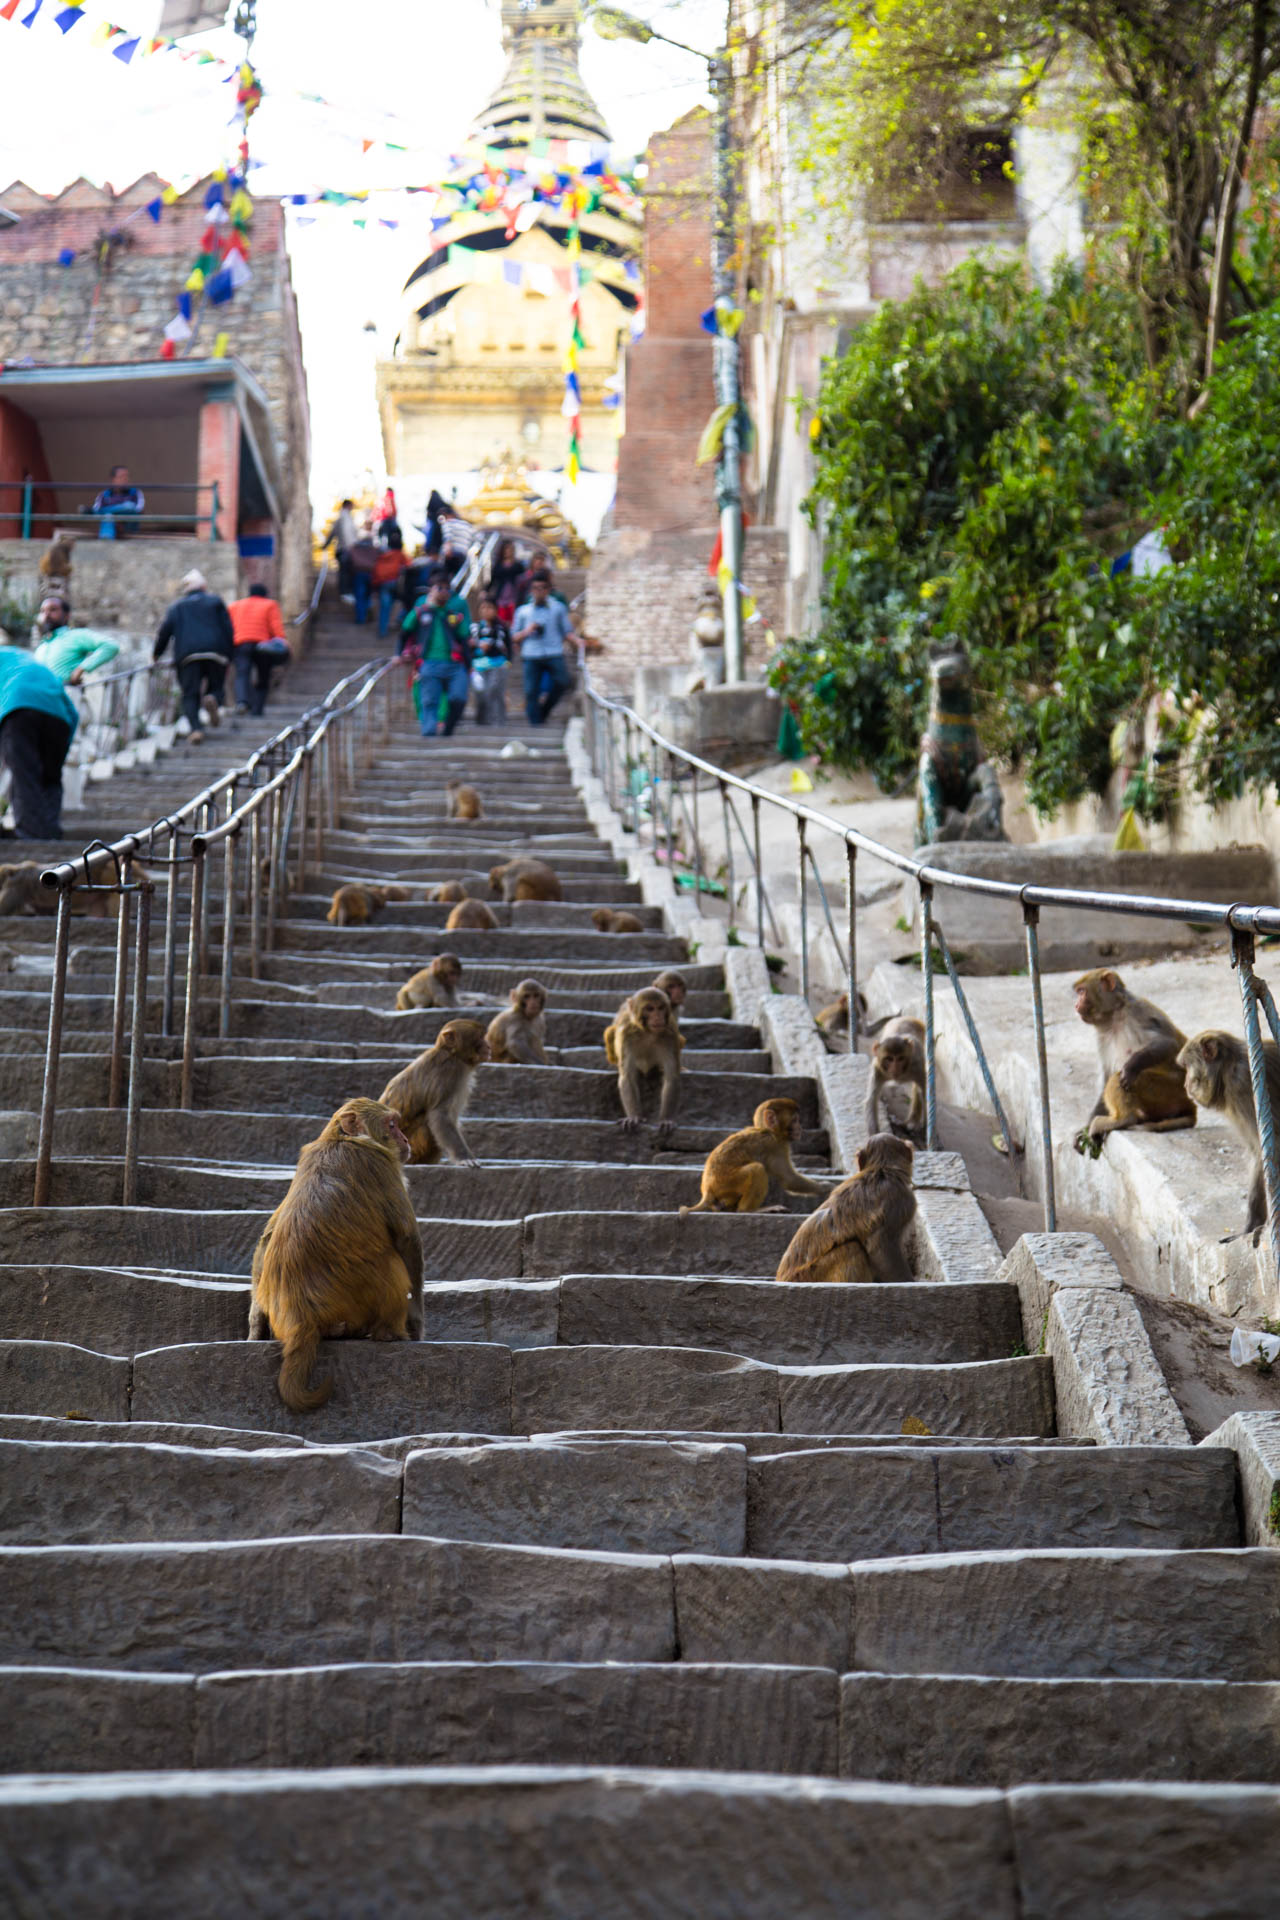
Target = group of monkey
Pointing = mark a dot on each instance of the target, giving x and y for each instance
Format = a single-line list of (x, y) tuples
[(521, 879)]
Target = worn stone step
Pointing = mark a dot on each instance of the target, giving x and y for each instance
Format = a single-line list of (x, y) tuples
[(283, 1084), (967, 1731), (777, 1720), (600, 1002), (1058, 1613), (393, 853), (743, 1847), (631, 1242), (382, 1390), (575, 944), (213, 1133), (421, 917), (611, 887)]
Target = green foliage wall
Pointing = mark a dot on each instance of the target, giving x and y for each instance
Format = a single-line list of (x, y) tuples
[(985, 449)]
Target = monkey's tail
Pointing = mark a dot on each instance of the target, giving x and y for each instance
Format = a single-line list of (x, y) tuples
[(702, 1206), (301, 1351)]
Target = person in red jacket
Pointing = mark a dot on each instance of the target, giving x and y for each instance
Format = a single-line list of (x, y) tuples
[(258, 630)]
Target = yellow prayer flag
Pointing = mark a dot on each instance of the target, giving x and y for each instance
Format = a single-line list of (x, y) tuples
[(1128, 839), (572, 469), (194, 282), (220, 346), (800, 781), (168, 195)]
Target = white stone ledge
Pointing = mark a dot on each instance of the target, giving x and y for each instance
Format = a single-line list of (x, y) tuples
[(1255, 1440)]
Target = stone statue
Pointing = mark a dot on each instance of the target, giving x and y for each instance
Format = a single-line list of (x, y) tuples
[(958, 794), (706, 642)]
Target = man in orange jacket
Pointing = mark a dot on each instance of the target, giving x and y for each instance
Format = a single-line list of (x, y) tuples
[(260, 645)]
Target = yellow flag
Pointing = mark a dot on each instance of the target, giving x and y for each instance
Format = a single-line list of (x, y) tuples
[(1128, 839), (220, 346), (168, 195), (713, 432), (194, 281), (800, 781), (572, 469)]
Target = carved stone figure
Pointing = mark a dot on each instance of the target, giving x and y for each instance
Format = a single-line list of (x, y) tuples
[(958, 794)]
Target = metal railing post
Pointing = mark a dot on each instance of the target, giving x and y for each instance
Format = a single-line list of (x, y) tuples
[(115, 1081), (851, 889), (804, 913), (255, 894), (53, 1047), (1031, 921), (27, 494), (1242, 954), (728, 856), (170, 934), (207, 820), (228, 934), (213, 513), (930, 1031), (141, 956), (755, 835), (300, 878), (193, 980), (272, 857)]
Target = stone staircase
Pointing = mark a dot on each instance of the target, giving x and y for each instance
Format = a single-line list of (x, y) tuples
[(624, 1592)]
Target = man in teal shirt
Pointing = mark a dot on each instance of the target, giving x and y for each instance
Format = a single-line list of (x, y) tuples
[(68, 651), (37, 726), (440, 623)]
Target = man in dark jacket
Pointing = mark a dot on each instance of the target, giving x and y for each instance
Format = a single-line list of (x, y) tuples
[(203, 645)]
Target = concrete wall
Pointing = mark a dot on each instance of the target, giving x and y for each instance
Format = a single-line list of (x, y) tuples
[(80, 315), (126, 583)]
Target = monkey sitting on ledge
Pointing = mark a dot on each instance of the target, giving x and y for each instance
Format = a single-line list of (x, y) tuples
[(1143, 1084)]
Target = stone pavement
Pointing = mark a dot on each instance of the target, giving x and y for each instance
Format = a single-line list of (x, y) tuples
[(624, 1592)]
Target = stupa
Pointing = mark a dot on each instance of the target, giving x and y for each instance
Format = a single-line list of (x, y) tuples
[(477, 364)]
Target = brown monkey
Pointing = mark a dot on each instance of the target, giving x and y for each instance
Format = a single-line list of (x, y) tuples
[(22, 894), (518, 1037), (605, 920), (857, 1233), (645, 1041), (435, 986), (737, 1174), (353, 906), (1216, 1066), (341, 1254), (450, 890), (430, 1094), (525, 879), (470, 913), (1142, 1083), (898, 1056), (677, 992), (835, 1018), (393, 892), (676, 988), (462, 803)]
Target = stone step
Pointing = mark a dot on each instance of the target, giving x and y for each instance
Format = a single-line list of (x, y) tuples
[(400, 855), (369, 988), (124, 1310), (459, 1387), (500, 1192), (391, 1052), (420, 917), (1068, 1613), (610, 887), (211, 1133), (625, 1496), (577, 947), (742, 1847), (279, 1083)]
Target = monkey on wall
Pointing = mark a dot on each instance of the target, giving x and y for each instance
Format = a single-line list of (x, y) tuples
[(473, 914), (645, 1041), (525, 879), (1216, 1066), (736, 1176), (606, 920), (518, 1037), (1138, 1048), (341, 1255), (462, 802), (431, 1093), (897, 1059), (435, 986), (856, 1235)]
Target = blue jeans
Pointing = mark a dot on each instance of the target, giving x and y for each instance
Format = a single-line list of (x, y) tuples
[(544, 683), (362, 587), (437, 680), (386, 600)]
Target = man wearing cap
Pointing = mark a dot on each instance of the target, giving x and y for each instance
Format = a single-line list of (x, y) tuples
[(203, 644)]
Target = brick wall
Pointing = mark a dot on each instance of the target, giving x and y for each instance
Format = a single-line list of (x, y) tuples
[(84, 315), (644, 589)]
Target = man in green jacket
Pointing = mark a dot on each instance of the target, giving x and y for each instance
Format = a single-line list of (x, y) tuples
[(70, 652), (440, 625), (37, 726)]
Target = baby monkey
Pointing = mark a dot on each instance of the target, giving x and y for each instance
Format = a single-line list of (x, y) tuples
[(897, 1058), (645, 1039), (462, 802), (1143, 1084), (856, 1235), (470, 914), (430, 1093), (1216, 1066), (518, 1037), (434, 986), (606, 920), (737, 1174)]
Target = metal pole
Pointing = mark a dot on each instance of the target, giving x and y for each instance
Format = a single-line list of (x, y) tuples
[(697, 846), (115, 1083), (228, 934), (755, 834), (129, 1189), (53, 1047), (930, 1037), (1031, 920), (728, 853), (208, 818), (728, 475), (1242, 951), (300, 880), (653, 794), (255, 893), (851, 885), (804, 917), (273, 860), (170, 935), (193, 980)]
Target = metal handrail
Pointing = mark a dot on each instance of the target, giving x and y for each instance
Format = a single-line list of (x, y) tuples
[(284, 792), (28, 511), (1242, 921)]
